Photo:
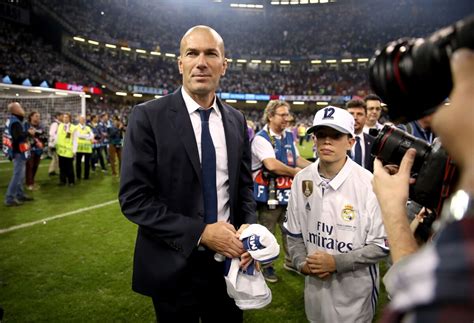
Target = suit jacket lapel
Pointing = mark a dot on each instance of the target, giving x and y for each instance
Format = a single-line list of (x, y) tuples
[(231, 131), (179, 116)]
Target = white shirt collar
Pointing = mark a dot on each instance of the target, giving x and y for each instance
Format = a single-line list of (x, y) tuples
[(192, 105), (337, 181)]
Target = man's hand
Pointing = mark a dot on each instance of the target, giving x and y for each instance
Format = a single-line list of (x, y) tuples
[(222, 238), (392, 190), (453, 124), (392, 194)]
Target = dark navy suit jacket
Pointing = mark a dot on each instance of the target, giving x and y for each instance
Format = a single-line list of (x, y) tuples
[(369, 159), (160, 189)]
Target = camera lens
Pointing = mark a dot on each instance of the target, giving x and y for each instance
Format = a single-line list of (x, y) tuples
[(392, 143), (413, 76)]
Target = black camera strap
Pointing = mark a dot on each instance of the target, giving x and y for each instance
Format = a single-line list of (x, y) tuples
[(448, 183), (272, 138)]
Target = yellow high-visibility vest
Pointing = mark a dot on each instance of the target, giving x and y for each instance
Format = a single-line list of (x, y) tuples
[(301, 131), (64, 141), (84, 145)]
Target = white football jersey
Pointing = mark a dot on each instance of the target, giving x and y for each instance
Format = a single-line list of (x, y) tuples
[(337, 217)]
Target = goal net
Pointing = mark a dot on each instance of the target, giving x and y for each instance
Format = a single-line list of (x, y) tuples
[(44, 100)]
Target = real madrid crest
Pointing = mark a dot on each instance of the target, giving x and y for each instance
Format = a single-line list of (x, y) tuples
[(307, 188), (348, 213)]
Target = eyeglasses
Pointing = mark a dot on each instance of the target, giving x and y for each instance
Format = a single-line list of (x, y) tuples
[(283, 115)]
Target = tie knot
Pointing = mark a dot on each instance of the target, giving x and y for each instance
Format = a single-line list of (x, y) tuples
[(357, 138), (205, 114)]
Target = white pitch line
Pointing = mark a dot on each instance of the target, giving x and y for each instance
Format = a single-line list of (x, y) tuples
[(29, 224)]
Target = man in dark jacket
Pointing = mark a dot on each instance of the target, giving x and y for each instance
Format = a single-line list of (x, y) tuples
[(17, 149)]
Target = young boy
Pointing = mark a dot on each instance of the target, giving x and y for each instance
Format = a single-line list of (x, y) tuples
[(336, 236)]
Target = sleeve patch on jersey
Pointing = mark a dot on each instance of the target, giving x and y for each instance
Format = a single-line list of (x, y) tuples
[(307, 186)]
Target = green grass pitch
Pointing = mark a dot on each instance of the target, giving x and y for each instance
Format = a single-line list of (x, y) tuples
[(78, 268)]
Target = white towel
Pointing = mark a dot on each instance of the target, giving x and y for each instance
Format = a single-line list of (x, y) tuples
[(249, 289)]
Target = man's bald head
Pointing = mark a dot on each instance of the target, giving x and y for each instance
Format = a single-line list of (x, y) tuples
[(16, 109), (201, 29), (82, 119)]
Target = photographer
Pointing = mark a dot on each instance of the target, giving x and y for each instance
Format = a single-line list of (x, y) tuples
[(37, 141), (275, 160), (436, 281)]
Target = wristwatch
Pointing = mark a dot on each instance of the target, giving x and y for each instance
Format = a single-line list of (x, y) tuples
[(459, 206)]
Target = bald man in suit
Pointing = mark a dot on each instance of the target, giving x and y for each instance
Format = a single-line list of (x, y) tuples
[(186, 182)]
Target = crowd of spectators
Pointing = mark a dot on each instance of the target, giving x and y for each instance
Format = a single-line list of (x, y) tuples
[(24, 55), (162, 73), (337, 30), (346, 27), (132, 69)]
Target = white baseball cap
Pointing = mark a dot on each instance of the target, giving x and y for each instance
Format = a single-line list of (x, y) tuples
[(333, 117)]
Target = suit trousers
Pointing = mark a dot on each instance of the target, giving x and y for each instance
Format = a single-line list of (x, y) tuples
[(205, 298)]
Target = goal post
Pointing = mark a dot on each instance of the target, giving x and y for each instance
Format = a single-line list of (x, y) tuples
[(44, 100)]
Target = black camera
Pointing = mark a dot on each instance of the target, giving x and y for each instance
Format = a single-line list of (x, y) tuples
[(413, 76), (373, 132), (433, 169), (272, 197)]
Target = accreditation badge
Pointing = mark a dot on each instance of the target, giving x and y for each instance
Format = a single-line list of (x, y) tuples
[(348, 213), (307, 188)]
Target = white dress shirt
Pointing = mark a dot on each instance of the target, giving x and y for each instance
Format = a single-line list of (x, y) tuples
[(216, 128)]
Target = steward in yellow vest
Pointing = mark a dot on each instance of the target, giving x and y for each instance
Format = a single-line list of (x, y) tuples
[(66, 150), (64, 140), (84, 139)]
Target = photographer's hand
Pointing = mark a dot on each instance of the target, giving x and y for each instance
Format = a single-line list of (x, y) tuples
[(453, 124), (392, 194), (392, 189)]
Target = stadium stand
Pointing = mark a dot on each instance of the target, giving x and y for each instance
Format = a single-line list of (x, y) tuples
[(346, 28), (25, 55)]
